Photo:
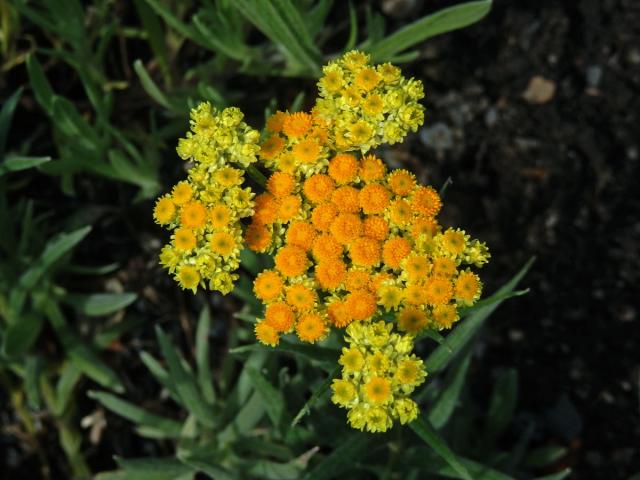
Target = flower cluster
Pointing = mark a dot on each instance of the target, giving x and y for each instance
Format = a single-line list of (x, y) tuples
[(204, 212), (379, 372), (365, 105), (353, 242)]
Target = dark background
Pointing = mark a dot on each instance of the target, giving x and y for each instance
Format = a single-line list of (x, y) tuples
[(546, 168)]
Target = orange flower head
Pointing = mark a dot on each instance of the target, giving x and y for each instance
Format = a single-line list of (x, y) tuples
[(394, 251), (346, 199), (412, 320), (291, 261), (219, 215), (326, 247), (289, 208), (414, 294), (416, 267), (357, 280), (222, 243), (401, 182), (339, 314), (276, 121), (271, 147), (301, 234), (367, 79), (372, 169), (424, 226), (444, 316), (296, 124), (301, 298), (268, 285), (454, 241), (311, 328), (193, 215), (266, 334), (184, 239), (365, 252), (376, 227), (426, 201), (280, 316), (265, 209), (361, 304), (323, 216), (400, 212), (346, 228), (343, 168), (318, 188), (306, 151), (330, 273), (467, 287), (444, 267), (258, 237), (438, 291), (373, 198), (281, 184)]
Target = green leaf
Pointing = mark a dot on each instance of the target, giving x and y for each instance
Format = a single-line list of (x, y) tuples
[(342, 459), (464, 311), (6, 115), (40, 85), (154, 468), (15, 163), (160, 374), (353, 29), (53, 251), (139, 416), (556, 476), (150, 86), (423, 428), (21, 335), (544, 456), (32, 369), (83, 356), (442, 409), (321, 390), (502, 405), (184, 382), (446, 20), (327, 356), (155, 35), (426, 461), (272, 399), (69, 378), (205, 378), (98, 304), (282, 23), (467, 328)]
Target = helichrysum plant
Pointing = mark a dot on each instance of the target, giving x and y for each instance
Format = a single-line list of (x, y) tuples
[(357, 248)]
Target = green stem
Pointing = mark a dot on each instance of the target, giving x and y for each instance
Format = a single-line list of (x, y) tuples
[(257, 175)]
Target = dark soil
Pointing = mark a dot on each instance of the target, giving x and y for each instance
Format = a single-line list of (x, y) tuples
[(557, 180)]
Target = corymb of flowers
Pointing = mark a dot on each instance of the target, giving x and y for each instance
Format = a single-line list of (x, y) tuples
[(357, 248)]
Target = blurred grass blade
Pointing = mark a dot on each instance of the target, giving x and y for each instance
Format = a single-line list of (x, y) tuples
[(342, 459), (464, 311), (155, 35), (467, 328), (98, 304), (184, 382), (6, 115), (502, 405), (139, 416), (21, 335), (15, 163), (321, 390), (317, 16), (69, 378), (353, 29), (446, 20), (41, 86), (203, 365), (327, 356), (271, 397), (81, 354), (154, 468), (558, 476), (32, 369), (160, 374), (150, 86), (442, 409), (429, 463), (426, 432), (53, 251), (544, 456)]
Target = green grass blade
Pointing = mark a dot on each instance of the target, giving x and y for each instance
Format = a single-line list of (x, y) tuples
[(21, 335), (184, 382), (205, 378), (467, 328), (160, 374), (558, 476), (15, 163), (446, 20), (423, 428), (99, 304), (40, 85), (154, 468), (342, 458), (272, 398), (442, 409), (137, 415), (315, 396), (501, 406), (150, 86), (6, 114)]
